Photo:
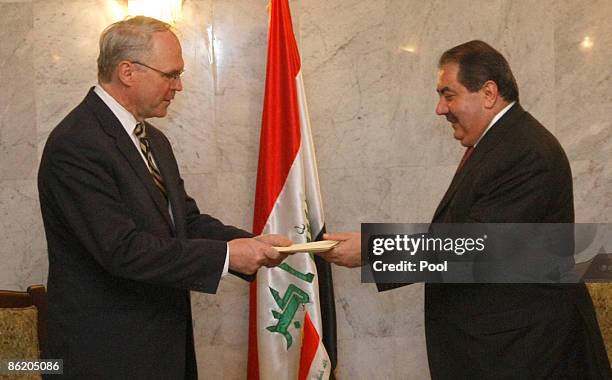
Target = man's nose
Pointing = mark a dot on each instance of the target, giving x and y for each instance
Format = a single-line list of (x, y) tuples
[(177, 84), (441, 108)]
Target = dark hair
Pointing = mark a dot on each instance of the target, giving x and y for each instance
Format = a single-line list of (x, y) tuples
[(480, 62)]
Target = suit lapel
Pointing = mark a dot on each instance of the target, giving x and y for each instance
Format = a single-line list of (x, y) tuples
[(452, 188), (113, 127), (493, 137)]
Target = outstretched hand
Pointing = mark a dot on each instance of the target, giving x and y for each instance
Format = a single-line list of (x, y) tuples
[(348, 251)]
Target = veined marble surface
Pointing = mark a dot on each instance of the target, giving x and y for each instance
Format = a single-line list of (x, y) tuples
[(369, 69), (17, 103)]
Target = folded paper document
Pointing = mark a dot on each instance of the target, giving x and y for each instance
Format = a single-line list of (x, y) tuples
[(314, 247)]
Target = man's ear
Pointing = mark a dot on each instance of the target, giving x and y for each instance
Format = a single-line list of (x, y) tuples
[(125, 73), (491, 94)]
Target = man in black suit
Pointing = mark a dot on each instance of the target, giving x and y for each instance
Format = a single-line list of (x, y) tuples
[(513, 171), (125, 241)]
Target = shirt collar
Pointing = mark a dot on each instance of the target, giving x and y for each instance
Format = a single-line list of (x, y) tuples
[(495, 119), (127, 120)]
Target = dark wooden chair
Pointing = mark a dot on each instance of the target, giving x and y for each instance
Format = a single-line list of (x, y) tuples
[(601, 293), (36, 295)]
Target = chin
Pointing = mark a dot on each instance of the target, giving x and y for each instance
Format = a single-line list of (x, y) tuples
[(161, 113)]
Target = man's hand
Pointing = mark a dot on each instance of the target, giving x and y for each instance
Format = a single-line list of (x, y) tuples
[(347, 253), (248, 255), (274, 240)]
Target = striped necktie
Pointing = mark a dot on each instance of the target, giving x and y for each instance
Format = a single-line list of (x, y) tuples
[(143, 142)]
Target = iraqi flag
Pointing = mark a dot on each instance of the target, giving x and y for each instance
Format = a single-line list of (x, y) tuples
[(292, 316)]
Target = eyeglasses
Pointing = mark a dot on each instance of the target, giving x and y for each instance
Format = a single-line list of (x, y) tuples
[(174, 75)]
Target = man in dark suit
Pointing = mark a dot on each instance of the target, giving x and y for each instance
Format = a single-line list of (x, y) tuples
[(125, 241), (513, 171)]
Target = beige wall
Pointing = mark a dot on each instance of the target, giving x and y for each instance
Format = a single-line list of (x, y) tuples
[(384, 156)]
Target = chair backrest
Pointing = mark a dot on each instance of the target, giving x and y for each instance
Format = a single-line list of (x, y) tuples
[(601, 293), (36, 295)]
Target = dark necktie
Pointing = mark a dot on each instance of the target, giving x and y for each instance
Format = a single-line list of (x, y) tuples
[(141, 133), (466, 156)]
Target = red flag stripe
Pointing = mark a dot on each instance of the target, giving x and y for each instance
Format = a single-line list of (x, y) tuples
[(310, 344)]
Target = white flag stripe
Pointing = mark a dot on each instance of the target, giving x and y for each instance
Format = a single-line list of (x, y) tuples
[(311, 174)]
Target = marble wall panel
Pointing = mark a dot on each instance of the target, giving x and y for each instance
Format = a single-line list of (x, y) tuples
[(209, 358), (65, 50), (372, 358), (592, 190), (410, 361), (353, 196), (408, 318), (22, 248), (203, 188), (236, 197), (190, 121), (416, 192), (235, 320), (584, 101), (240, 40), (221, 329), (345, 69), (358, 319), (583, 79), (207, 321), (17, 102), (234, 362), (534, 73), (235, 286)]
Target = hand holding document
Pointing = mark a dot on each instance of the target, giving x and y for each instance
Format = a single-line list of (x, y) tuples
[(342, 248), (313, 247), (347, 252), (247, 255)]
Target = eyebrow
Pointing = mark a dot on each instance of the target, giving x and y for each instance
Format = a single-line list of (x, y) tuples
[(444, 90)]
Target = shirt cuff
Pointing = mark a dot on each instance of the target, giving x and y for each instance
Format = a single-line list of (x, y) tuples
[(226, 265)]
